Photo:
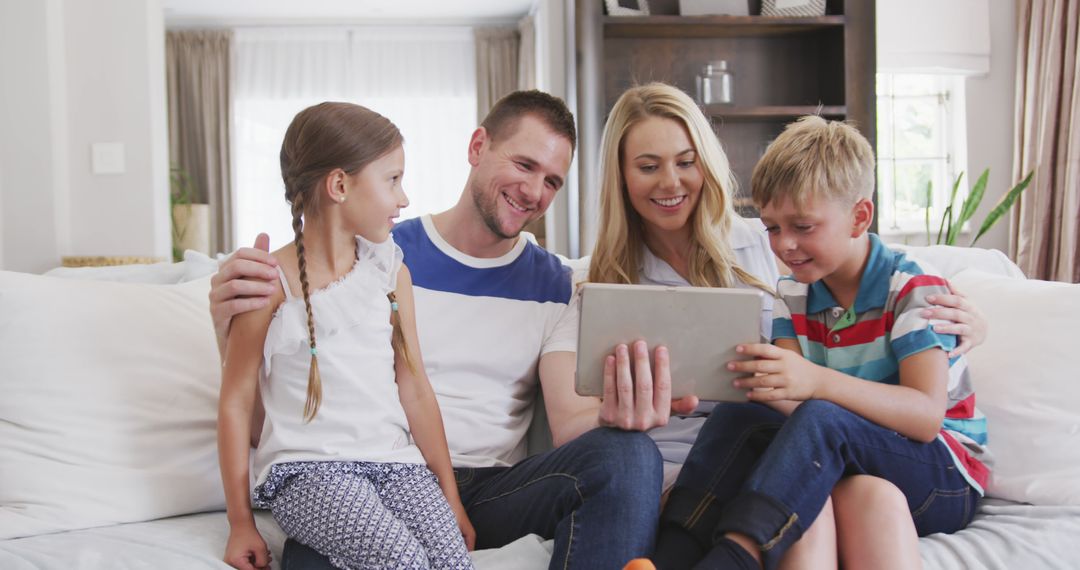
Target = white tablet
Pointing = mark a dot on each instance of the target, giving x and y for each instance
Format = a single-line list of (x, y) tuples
[(700, 326)]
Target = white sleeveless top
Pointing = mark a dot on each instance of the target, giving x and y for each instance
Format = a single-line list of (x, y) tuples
[(360, 418)]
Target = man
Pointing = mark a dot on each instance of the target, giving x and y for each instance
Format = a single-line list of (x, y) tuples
[(492, 315)]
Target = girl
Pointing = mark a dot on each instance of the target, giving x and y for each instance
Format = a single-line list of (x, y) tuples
[(343, 473)]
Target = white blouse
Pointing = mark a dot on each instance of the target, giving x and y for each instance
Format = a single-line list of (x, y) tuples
[(360, 418)]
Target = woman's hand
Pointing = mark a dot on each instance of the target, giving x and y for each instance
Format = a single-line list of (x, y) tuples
[(467, 530), (246, 549), (637, 396), (780, 374), (966, 321)]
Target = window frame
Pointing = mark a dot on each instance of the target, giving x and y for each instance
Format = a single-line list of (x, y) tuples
[(948, 162)]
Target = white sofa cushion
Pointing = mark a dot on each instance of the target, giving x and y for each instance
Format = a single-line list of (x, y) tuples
[(194, 266), (1026, 382), (949, 260), (109, 403)]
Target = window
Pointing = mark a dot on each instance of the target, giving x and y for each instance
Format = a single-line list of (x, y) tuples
[(422, 79), (921, 142)]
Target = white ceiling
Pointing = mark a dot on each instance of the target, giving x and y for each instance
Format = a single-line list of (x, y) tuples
[(182, 12)]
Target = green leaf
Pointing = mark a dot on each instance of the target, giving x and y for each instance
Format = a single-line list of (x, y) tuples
[(974, 197), (945, 218), (951, 228), (1003, 206), (929, 201), (971, 203)]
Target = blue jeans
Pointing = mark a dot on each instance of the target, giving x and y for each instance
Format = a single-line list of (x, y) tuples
[(598, 496), (756, 472)]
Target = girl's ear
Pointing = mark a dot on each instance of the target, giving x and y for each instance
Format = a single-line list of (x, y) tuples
[(334, 185), (863, 215)]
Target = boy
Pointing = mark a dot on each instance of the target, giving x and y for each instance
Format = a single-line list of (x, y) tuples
[(850, 312)]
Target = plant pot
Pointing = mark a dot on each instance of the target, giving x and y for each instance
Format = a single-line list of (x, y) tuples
[(191, 228)]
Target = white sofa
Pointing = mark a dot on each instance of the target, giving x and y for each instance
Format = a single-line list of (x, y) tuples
[(108, 399)]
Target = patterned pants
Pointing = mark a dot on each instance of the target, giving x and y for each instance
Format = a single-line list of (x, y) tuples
[(366, 515)]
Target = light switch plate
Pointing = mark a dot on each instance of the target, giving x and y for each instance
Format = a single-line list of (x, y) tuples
[(107, 158)]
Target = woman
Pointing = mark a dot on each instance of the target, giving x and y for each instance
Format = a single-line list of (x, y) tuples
[(667, 218)]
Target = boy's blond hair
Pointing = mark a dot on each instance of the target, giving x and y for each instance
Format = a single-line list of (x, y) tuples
[(815, 157)]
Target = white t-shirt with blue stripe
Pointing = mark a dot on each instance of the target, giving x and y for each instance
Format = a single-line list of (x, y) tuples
[(483, 324)]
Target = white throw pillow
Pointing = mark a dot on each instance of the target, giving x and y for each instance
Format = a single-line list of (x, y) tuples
[(194, 266), (948, 260), (108, 403), (159, 273), (1027, 382)]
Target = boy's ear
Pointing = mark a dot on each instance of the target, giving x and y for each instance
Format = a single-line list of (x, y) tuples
[(863, 211)]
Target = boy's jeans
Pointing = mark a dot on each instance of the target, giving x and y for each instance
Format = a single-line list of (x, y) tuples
[(598, 496), (755, 472)]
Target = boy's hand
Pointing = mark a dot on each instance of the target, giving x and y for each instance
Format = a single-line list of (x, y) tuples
[(467, 530), (246, 549), (780, 374)]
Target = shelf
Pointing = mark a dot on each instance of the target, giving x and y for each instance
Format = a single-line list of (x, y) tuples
[(714, 26), (765, 112)]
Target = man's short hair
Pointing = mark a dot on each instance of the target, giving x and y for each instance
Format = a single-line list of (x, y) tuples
[(815, 157), (503, 118)]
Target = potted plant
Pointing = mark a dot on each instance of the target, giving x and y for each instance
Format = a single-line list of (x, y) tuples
[(949, 228), (190, 221)]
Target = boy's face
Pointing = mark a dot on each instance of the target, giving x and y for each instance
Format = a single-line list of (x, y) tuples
[(819, 239)]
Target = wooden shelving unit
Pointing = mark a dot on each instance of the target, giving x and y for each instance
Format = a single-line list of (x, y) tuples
[(768, 112), (783, 68), (713, 26)]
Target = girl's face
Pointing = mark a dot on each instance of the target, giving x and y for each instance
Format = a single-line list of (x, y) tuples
[(662, 173), (374, 196)]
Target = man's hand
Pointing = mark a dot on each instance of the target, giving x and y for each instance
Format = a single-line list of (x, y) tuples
[(243, 283), (639, 400), (965, 320), (781, 374)]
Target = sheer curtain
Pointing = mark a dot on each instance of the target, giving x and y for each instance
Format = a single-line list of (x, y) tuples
[(422, 79)]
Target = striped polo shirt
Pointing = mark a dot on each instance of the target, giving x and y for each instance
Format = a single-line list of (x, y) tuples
[(881, 329)]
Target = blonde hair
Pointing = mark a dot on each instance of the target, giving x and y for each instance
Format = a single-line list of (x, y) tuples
[(617, 255), (319, 140), (815, 157)]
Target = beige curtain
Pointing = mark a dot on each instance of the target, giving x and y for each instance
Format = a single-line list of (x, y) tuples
[(496, 66), (197, 70), (1044, 239), (505, 62), (527, 53)]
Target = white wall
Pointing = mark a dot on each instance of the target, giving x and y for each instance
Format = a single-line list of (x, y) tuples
[(77, 73), (31, 148), (552, 76), (990, 110)]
